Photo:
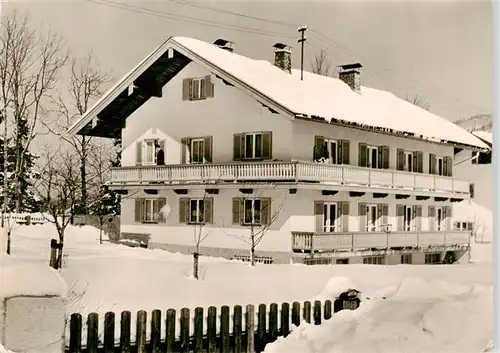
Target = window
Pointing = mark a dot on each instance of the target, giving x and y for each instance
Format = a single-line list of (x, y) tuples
[(196, 211), (342, 261), (408, 218), (197, 88), (483, 158), (371, 218), (331, 151), (197, 150), (433, 258), (373, 260), (463, 226), (253, 145), (372, 156), (252, 211), (440, 221), (406, 259), (329, 217), (408, 164), (149, 152), (471, 190), (148, 210), (439, 166)]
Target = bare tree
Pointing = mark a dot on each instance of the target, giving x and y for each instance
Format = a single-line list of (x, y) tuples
[(200, 232), (30, 63), (86, 84), (418, 101), (257, 212), (58, 188), (321, 65)]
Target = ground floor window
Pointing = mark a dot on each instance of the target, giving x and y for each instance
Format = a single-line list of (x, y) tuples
[(433, 258), (148, 209), (374, 260), (406, 259), (342, 261), (196, 210), (461, 226), (251, 210)]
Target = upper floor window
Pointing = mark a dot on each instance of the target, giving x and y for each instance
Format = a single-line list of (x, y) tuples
[(440, 165), (196, 150), (439, 218), (410, 161), (331, 216), (252, 146), (409, 217), (330, 150), (197, 88), (373, 156), (373, 217), (147, 152)]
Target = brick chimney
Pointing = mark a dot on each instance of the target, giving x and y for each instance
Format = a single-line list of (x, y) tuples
[(350, 74), (224, 44), (283, 57)]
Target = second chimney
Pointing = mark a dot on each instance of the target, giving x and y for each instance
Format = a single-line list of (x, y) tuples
[(283, 57), (224, 44), (350, 74)]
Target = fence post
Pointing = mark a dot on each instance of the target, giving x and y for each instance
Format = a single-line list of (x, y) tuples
[(155, 331), (273, 323), (212, 329), (224, 329), (317, 312), (92, 332), (296, 313), (285, 319), (237, 329), (307, 311), (53, 253), (198, 330), (109, 332), (250, 328), (328, 310), (185, 321), (170, 331), (140, 335), (125, 322), (75, 333), (261, 329)]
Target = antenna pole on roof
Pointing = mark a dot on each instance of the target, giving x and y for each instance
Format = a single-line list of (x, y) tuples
[(301, 40)]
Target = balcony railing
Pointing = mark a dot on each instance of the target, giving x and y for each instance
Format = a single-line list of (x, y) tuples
[(295, 171), (309, 241)]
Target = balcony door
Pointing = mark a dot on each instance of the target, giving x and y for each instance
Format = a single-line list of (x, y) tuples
[(408, 219), (371, 218), (331, 151), (329, 217), (372, 156), (439, 166), (408, 163), (440, 219)]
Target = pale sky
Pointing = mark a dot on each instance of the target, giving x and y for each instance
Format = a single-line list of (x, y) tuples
[(439, 50)]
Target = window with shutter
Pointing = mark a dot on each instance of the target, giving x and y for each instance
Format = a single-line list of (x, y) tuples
[(150, 209), (197, 88), (196, 150), (252, 211), (255, 145)]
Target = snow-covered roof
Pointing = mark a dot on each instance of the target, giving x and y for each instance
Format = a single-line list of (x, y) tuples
[(314, 96), (484, 135)]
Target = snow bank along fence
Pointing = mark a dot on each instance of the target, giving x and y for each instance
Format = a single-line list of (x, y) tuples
[(224, 332)]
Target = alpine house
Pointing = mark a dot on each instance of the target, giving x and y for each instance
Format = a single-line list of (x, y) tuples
[(318, 170)]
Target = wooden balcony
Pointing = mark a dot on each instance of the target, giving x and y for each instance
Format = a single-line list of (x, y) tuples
[(325, 242), (294, 171)]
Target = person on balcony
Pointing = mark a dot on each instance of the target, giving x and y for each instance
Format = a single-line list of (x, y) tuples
[(160, 155)]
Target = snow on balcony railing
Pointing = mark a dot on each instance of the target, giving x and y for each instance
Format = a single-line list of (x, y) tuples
[(295, 171), (309, 241)]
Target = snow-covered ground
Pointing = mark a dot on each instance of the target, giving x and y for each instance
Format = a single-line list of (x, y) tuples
[(444, 308)]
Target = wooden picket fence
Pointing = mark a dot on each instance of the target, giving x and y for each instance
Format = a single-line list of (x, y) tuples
[(249, 332)]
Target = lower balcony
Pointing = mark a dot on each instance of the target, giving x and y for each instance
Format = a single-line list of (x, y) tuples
[(294, 171), (325, 242)]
